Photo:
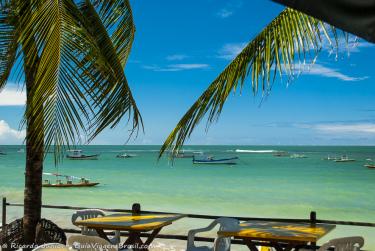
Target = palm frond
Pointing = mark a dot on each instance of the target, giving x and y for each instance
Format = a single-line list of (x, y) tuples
[(291, 36), (8, 41), (114, 51), (75, 84), (117, 18)]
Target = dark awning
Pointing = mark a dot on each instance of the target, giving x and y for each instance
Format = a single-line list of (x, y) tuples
[(354, 16)]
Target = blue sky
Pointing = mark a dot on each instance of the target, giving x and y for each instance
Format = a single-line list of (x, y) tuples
[(181, 46)]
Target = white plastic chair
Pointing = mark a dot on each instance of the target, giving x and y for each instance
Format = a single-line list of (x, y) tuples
[(221, 243), (89, 214), (52, 247), (342, 244), (90, 243)]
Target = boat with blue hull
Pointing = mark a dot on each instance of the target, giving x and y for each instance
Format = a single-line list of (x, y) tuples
[(78, 155), (212, 161)]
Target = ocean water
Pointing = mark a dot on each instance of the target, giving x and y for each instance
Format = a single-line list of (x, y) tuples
[(260, 185)]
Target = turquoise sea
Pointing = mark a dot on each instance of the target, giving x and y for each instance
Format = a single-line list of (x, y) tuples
[(260, 185)]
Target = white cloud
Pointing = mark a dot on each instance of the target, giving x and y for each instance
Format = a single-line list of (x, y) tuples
[(231, 50), (224, 13), (342, 128), (230, 8), (10, 96), (9, 135), (176, 57), (320, 70), (177, 67)]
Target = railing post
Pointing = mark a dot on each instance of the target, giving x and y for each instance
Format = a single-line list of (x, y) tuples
[(4, 211), (313, 218), (313, 224), (136, 209)]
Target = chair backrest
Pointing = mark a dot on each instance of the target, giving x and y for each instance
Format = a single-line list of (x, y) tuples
[(52, 247), (223, 243), (90, 243), (344, 244), (87, 214)]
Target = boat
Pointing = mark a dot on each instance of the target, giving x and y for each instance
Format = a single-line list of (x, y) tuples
[(211, 160), (125, 155), (78, 155), (298, 156), (370, 165), (344, 159), (82, 182), (183, 155), (21, 150), (281, 154), (331, 158)]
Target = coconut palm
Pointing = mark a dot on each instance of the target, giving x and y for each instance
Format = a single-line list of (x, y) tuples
[(70, 55), (290, 41)]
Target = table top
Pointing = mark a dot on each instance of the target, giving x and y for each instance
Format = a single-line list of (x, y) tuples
[(129, 222), (279, 231)]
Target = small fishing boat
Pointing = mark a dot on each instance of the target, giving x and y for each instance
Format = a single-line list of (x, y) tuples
[(370, 165), (78, 155), (82, 182), (281, 154), (212, 160), (183, 155), (298, 156), (125, 155), (331, 158), (344, 159)]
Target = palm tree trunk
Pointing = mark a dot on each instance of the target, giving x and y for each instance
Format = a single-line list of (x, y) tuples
[(33, 187), (34, 155)]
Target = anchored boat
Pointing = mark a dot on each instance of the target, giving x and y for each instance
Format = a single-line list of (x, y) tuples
[(183, 155), (125, 155), (344, 159), (281, 154), (370, 165), (78, 155), (298, 156), (331, 158), (59, 183), (212, 160)]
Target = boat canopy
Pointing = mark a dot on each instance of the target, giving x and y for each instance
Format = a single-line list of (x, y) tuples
[(62, 175)]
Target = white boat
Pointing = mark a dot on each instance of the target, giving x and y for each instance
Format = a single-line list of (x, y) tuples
[(82, 182), (78, 155), (211, 160), (344, 159), (125, 155), (298, 156), (21, 150), (331, 158)]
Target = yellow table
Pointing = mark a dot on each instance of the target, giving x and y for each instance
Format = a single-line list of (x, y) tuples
[(134, 224), (265, 233)]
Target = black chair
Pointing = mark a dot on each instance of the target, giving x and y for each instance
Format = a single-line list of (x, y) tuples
[(11, 236)]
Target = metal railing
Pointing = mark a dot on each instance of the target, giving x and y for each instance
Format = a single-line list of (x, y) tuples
[(312, 220)]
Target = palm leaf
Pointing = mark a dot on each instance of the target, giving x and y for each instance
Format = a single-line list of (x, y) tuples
[(77, 87), (289, 37), (8, 41), (117, 18), (99, 18)]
